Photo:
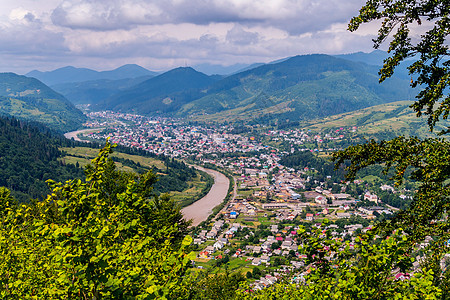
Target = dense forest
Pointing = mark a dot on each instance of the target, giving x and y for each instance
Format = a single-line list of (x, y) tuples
[(29, 156)]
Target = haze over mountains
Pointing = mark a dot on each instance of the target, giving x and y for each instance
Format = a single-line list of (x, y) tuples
[(72, 74)]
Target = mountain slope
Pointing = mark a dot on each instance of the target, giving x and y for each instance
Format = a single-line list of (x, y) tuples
[(385, 120), (302, 87), (95, 91), (28, 98), (29, 156), (161, 94), (71, 74)]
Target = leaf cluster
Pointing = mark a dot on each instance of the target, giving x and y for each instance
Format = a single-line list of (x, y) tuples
[(91, 240)]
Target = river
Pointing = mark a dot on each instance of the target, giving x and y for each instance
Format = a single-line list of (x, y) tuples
[(201, 209), (74, 134)]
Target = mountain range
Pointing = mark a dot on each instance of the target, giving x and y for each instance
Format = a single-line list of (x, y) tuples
[(71, 74), (296, 88)]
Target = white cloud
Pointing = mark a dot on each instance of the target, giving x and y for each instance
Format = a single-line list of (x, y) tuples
[(161, 34), (294, 16)]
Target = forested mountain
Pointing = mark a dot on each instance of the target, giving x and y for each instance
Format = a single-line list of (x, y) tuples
[(28, 98), (164, 93), (374, 58), (28, 157), (301, 87), (72, 74), (95, 91)]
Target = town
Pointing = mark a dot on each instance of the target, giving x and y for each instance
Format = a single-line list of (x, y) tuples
[(256, 231)]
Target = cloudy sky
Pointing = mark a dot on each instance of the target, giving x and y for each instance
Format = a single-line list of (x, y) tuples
[(163, 34)]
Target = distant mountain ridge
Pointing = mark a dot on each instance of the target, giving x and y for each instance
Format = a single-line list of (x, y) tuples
[(72, 74), (164, 93), (28, 98), (300, 87)]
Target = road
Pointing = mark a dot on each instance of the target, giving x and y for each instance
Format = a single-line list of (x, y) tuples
[(201, 209)]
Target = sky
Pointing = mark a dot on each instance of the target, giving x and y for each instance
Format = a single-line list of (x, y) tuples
[(163, 34)]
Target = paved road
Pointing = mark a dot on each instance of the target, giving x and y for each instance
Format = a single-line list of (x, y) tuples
[(201, 209)]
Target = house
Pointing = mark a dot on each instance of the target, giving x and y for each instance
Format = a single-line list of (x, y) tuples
[(256, 261), (212, 234), (274, 228), (198, 241), (371, 197), (286, 245), (321, 200), (265, 258), (386, 187), (257, 249), (309, 217), (341, 215), (218, 245), (210, 249)]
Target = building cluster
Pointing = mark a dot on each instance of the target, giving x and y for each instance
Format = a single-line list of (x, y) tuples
[(269, 195)]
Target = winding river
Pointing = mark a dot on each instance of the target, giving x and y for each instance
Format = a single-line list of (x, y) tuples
[(201, 209)]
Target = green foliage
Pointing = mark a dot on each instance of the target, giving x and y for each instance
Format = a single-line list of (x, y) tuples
[(208, 286), (87, 240), (364, 270), (430, 53), (427, 159)]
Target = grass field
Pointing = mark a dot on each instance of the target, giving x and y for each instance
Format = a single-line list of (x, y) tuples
[(395, 117)]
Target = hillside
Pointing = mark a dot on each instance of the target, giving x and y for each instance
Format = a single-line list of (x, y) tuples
[(183, 183), (28, 98), (71, 74), (29, 156), (302, 87), (95, 91), (394, 118), (165, 93)]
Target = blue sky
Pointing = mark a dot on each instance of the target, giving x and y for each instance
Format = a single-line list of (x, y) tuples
[(163, 34)]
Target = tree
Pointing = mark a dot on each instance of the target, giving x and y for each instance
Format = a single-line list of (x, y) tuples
[(83, 242), (429, 158), (430, 68)]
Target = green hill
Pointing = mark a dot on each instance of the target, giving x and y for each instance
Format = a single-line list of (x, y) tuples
[(28, 98), (29, 156), (299, 88), (395, 118)]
